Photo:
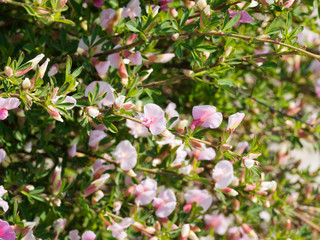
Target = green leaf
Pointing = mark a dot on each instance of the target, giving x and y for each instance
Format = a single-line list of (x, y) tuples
[(132, 26), (171, 121), (179, 51), (232, 22), (206, 48), (77, 72), (184, 17), (69, 64), (112, 128), (226, 82)]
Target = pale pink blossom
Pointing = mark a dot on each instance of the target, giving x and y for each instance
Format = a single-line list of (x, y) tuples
[(3, 204), (33, 62), (245, 17), (136, 129), (136, 58), (88, 235), (145, 191), (106, 19), (234, 121), (115, 59), (126, 155), (201, 197), (202, 154), (3, 155), (159, 58), (7, 104), (222, 174), (205, 116), (8, 71), (154, 119), (237, 233), (241, 147), (74, 235), (101, 67), (165, 203), (104, 87), (72, 150), (53, 70), (96, 184), (219, 223), (132, 10), (95, 137), (118, 228), (172, 112), (99, 167), (29, 236), (6, 232)]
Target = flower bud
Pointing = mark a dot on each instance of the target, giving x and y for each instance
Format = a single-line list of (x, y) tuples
[(117, 206), (193, 236), (173, 12), (8, 71), (201, 4), (182, 124), (175, 37), (158, 226), (56, 202), (185, 231), (188, 73), (207, 11), (230, 192), (156, 162), (236, 205), (56, 180), (97, 196), (131, 173), (93, 112), (62, 3), (225, 147), (26, 83), (28, 188), (54, 113)]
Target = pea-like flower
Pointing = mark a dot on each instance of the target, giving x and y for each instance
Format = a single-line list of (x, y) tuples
[(206, 116), (118, 228), (7, 104), (165, 203), (103, 88), (126, 155), (145, 191), (201, 197), (154, 118), (6, 232), (223, 174)]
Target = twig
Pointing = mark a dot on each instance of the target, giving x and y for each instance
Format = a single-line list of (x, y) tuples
[(306, 220)]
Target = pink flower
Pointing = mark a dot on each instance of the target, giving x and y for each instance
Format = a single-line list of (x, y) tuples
[(72, 150), (219, 223), (132, 10), (245, 17), (165, 203), (3, 155), (43, 68), (118, 228), (202, 154), (6, 232), (135, 58), (3, 204), (53, 70), (106, 19), (96, 184), (154, 119), (145, 191), (74, 235), (159, 58), (104, 88), (115, 59), (241, 147), (95, 137), (237, 233), (88, 235), (136, 129), (234, 120), (119, 103), (99, 168), (201, 197), (126, 155), (288, 4), (223, 174), (33, 62), (101, 67), (171, 112), (206, 116), (7, 104)]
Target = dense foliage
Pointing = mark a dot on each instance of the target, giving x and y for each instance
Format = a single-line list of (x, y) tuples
[(162, 119)]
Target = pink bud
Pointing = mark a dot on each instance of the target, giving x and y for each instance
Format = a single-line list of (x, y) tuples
[(54, 113), (173, 12), (62, 3), (288, 4), (8, 71), (56, 180), (33, 62)]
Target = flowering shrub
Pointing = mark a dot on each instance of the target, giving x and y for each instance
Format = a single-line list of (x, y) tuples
[(162, 119)]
